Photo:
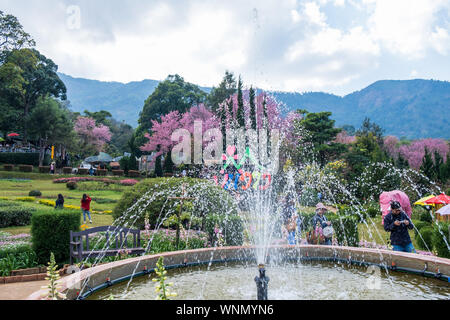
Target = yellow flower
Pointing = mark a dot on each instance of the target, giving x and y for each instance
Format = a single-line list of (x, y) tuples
[(84, 227)]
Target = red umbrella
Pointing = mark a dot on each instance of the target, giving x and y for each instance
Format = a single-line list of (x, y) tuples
[(13, 135), (440, 199)]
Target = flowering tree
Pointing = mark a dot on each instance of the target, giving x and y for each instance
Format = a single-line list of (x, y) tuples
[(415, 152), (344, 138), (93, 138)]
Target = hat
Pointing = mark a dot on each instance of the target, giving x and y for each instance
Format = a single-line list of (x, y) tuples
[(320, 206), (395, 205)]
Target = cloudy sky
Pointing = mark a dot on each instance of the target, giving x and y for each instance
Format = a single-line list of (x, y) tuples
[(337, 46)]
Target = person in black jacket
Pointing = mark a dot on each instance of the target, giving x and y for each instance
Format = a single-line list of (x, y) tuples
[(59, 204), (397, 223)]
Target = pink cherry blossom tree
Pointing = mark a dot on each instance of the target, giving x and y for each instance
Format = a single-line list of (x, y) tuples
[(415, 152), (92, 137)]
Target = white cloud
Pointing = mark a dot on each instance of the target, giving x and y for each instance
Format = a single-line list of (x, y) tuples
[(281, 45), (404, 26)]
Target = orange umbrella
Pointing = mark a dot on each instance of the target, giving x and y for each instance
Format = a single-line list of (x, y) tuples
[(440, 199)]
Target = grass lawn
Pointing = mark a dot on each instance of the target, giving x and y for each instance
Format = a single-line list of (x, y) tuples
[(44, 183)]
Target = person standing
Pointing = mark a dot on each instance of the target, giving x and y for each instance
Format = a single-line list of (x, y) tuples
[(397, 223), (321, 222), (290, 220), (59, 204), (86, 207), (52, 168)]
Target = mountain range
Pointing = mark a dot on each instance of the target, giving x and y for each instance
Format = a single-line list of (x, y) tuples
[(404, 108)]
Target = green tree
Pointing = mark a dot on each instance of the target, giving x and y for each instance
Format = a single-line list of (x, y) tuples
[(427, 166), (32, 76), (240, 116), (371, 127), (321, 134), (50, 125), (168, 163), (226, 89), (158, 167), (252, 108), (12, 35), (173, 94)]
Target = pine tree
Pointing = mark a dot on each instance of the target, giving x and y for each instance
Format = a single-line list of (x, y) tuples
[(168, 163), (240, 116), (427, 166), (158, 168), (438, 166), (252, 108)]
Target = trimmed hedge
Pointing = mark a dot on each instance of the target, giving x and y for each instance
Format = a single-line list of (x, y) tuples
[(8, 167), (15, 216), (209, 199), (35, 193), (102, 172), (50, 230), (83, 171), (345, 229), (44, 169), (67, 170), (26, 168), (439, 243), (134, 174), (118, 173), (71, 185), (23, 158)]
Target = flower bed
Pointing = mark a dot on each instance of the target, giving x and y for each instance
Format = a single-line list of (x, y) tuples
[(126, 182)]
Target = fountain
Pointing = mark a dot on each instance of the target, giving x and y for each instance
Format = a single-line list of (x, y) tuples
[(320, 271)]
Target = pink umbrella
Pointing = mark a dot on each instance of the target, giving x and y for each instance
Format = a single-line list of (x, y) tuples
[(396, 195), (444, 211)]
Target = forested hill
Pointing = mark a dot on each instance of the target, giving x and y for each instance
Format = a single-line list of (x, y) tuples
[(409, 108)]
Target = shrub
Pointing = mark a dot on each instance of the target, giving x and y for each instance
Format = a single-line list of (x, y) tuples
[(134, 174), (17, 261), (424, 241), (441, 240), (346, 230), (102, 172), (209, 199), (26, 168), (8, 167), (419, 225), (71, 185), (35, 193), (44, 169), (83, 171), (118, 173), (426, 217), (307, 219), (50, 230), (67, 170), (15, 216), (231, 225), (22, 158)]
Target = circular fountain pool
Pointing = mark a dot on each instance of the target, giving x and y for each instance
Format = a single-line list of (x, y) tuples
[(292, 281)]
